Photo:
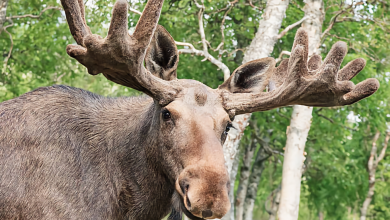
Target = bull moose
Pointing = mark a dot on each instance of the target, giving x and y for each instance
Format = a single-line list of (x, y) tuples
[(66, 153)]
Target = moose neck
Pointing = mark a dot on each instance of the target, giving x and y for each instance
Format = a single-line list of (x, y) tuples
[(138, 158)]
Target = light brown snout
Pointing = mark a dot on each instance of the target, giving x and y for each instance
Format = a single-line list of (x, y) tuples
[(205, 190)]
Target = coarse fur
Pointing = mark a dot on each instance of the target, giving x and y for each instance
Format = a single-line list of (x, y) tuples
[(66, 153), (84, 157)]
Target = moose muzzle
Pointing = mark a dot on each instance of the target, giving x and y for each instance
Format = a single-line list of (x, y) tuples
[(204, 189)]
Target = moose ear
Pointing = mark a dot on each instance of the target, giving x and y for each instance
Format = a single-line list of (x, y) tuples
[(162, 56), (251, 77)]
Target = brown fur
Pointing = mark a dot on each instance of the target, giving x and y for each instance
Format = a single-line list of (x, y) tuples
[(66, 153)]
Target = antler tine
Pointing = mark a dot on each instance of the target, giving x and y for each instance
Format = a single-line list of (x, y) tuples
[(75, 15), (303, 82), (144, 30), (119, 56)]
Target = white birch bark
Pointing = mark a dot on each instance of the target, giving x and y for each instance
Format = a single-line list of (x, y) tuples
[(373, 162), (275, 204), (244, 179), (3, 12), (300, 124), (261, 46), (230, 151), (254, 181)]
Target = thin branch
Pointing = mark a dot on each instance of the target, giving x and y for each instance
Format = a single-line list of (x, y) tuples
[(333, 21), (291, 27), (201, 28), (323, 116), (251, 4), (35, 16), (371, 160), (332, 121), (357, 19), (219, 64), (231, 53), (220, 10), (281, 115), (12, 23), (135, 11), (338, 37), (220, 46), (333, 5), (288, 53), (193, 50), (11, 47), (185, 44), (383, 151)]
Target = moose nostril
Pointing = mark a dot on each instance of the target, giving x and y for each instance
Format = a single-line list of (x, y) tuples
[(207, 213), (184, 187)]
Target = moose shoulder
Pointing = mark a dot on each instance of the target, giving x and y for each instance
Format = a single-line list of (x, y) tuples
[(66, 153)]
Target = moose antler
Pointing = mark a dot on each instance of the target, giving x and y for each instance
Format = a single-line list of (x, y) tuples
[(120, 56), (303, 82)]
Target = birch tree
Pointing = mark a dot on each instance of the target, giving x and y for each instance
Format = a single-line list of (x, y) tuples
[(300, 123), (372, 165), (262, 46), (3, 12)]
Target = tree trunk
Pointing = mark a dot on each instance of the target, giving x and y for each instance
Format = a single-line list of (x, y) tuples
[(230, 151), (320, 215), (373, 162), (300, 124), (254, 180), (244, 179), (263, 43), (3, 13), (261, 46), (275, 203)]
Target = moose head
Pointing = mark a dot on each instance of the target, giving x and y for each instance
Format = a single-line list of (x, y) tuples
[(190, 119)]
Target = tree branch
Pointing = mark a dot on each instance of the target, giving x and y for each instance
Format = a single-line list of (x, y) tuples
[(371, 160), (220, 46), (193, 50), (185, 44), (383, 151), (11, 47), (332, 121), (372, 165), (332, 22), (255, 7), (288, 53), (291, 27), (135, 11), (219, 64), (201, 28), (36, 16)]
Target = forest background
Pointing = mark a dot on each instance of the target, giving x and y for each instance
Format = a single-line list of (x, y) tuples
[(335, 182)]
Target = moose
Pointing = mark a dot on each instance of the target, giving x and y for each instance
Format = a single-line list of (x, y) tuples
[(66, 153)]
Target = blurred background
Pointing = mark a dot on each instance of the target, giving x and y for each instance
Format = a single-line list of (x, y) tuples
[(335, 180)]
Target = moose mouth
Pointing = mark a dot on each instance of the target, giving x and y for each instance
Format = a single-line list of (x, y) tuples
[(187, 212)]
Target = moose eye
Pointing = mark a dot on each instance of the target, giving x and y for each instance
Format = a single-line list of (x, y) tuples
[(166, 115), (225, 132), (228, 126)]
